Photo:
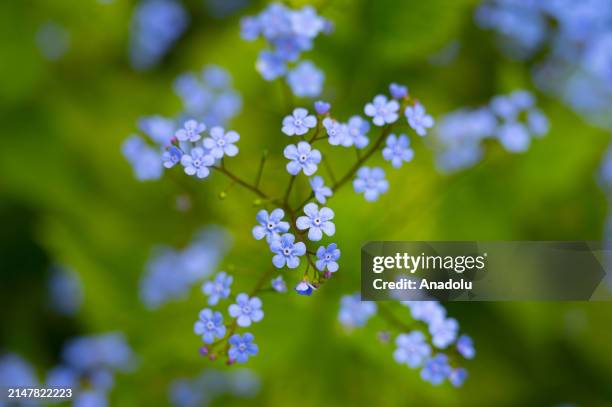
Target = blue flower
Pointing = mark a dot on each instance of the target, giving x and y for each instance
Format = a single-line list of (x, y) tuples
[(197, 163), (306, 22), (321, 107), (504, 107), (246, 310), (210, 326), (357, 128), (436, 369), (145, 161), (398, 91), (278, 284), (218, 289), (158, 128), (443, 332), (270, 65), (290, 48), (287, 252), (514, 137), (327, 258), (305, 80), (316, 221), (62, 376), (303, 158), (270, 226), (354, 312), (457, 376), (298, 123), (412, 349), (537, 122), (171, 156), (418, 119), (90, 398), (275, 21), (397, 150), (320, 191), (191, 131), (336, 131), (65, 291), (371, 182), (242, 347), (221, 143), (426, 311), (250, 28), (304, 288), (465, 346), (382, 110)]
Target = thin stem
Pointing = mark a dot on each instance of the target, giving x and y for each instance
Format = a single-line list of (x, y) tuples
[(288, 190), (387, 315), (383, 134), (329, 170), (243, 183), (262, 162)]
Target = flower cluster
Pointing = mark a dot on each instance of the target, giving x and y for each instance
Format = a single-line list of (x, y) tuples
[(210, 326), (156, 25), (213, 384), (208, 97), (170, 273), (415, 348), (511, 119), (65, 291), (288, 34), (181, 140), (88, 366), (569, 44)]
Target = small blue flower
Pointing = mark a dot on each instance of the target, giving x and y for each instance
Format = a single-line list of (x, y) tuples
[(320, 191), (412, 349), (354, 312), (321, 107), (287, 252), (219, 288), (398, 91), (426, 311), (382, 111), (371, 182), (270, 226), (457, 376), (221, 143), (191, 131), (357, 128), (418, 119), (503, 107), (306, 22), (514, 137), (250, 28), (304, 288), (278, 284), (327, 258), (302, 157), (171, 156), (443, 332), (316, 221), (270, 65), (306, 80), (158, 128), (398, 150), (275, 21), (436, 369), (298, 123), (209, 326), (336, 131), (197, 163), (465, 346), (290, 48), (537, 122), (242, 347), (246, 310)]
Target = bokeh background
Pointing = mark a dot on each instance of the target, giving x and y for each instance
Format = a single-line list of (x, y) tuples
[(68, 197)]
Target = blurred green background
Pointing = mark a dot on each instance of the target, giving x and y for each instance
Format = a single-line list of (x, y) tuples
[(68, 196)]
